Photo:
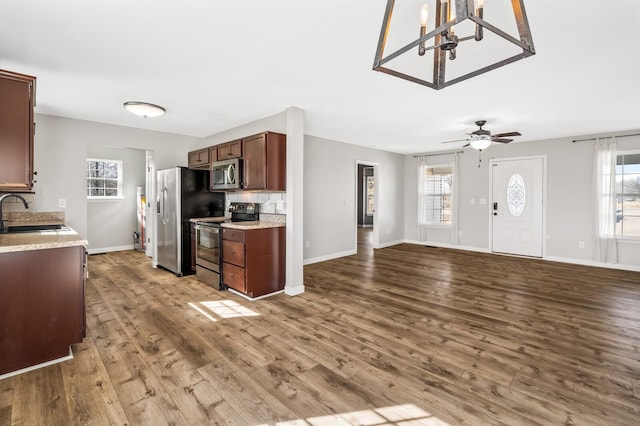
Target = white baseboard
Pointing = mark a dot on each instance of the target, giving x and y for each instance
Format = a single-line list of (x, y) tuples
[(585, 262), (35, 367), (109, 249), (389, 244), (253, 299), (569, 260), (291, 290), (447, 245), (328, 257)]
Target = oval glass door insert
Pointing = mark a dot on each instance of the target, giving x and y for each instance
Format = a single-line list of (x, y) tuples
[(516, 195)]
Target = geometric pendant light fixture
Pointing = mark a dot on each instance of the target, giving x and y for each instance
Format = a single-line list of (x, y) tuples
[(144, 109), (439, 46)]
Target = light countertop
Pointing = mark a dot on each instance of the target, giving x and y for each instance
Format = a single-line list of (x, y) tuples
[(39, 240), (258, 224), (208, 219)]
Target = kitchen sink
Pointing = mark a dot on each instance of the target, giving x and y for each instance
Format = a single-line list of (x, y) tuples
[(33, 228)]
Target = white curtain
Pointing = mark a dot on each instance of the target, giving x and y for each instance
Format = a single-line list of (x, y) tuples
[(604, 189), (422, 194), (454, 200)]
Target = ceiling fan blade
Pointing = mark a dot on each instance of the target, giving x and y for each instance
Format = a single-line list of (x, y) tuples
[(494, 139), (500, 135), (457, 140), (464, 146)]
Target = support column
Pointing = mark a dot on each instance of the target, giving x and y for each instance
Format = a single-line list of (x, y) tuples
[(295, 202)]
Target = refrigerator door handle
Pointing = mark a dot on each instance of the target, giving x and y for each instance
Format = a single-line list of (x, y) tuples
[(165, 218)]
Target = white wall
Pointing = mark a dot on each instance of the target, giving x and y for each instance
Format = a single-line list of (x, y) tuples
[(569, 198), (330, 196), (111, 223), (60, 155), (274, 123)]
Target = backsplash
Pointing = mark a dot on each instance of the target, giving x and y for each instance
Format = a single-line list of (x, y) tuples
[(12, 204), (270, 202)]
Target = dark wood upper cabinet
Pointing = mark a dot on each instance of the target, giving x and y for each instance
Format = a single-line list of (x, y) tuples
[(199, 159), (17, 100), (265, 162), (229, 150)]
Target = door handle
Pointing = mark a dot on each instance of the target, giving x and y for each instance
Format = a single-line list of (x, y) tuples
[(495, 209)]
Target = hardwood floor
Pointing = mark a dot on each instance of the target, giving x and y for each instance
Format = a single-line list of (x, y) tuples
[(403, 335)]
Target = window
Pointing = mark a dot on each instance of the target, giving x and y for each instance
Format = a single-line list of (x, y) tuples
[(628, 195), (104, 179), (435, 194)]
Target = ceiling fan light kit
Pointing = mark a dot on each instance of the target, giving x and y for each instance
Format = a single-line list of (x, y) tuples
[(481, 142), (144, 109), (443, 39)]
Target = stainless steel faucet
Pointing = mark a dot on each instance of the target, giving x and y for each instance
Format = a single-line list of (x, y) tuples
[(3, 228)]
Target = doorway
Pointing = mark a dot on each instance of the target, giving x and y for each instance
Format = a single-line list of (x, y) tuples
[(517, 206), (366, 205), (366, 195)]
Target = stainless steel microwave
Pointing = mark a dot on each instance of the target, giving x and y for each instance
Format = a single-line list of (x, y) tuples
[(226, 174)]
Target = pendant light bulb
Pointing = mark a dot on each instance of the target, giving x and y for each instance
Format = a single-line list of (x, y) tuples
[(424, 15)]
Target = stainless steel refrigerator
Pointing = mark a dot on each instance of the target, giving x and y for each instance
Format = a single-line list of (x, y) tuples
[(181, 194)]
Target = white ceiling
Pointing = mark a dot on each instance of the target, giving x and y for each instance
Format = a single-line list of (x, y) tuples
[(218, 64)]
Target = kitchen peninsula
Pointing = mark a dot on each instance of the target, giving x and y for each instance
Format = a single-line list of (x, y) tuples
[(42, 297)]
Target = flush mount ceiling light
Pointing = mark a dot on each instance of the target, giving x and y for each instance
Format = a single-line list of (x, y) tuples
[(144, 109), (442, 40)]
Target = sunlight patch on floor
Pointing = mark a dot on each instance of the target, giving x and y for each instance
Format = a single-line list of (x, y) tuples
[(397, 415), (222, 309)]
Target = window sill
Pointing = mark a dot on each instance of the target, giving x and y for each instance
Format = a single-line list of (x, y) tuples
[(630, 240)]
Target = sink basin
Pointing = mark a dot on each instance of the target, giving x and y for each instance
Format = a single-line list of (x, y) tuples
[(33, 228)]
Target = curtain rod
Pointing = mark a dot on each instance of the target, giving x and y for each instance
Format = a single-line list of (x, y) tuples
[(439, 153), (593, 139)]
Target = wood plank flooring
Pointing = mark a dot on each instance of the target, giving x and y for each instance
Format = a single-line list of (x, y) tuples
[(397, 336)]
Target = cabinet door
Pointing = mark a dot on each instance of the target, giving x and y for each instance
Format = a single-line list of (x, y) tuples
[(199, 159), (213, 154), (17, 99), (229, 150), (255, 160)]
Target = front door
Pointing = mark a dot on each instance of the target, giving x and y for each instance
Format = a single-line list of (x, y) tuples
[(516, 208)]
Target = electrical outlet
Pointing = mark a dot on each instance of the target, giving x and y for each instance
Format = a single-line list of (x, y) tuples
[(580, 244), (62, 203)]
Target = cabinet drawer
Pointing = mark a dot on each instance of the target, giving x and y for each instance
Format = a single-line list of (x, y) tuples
[(233, 276), (233, 252), (233, 235)]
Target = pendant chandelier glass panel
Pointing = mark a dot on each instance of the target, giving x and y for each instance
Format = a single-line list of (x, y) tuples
[(438, 43)]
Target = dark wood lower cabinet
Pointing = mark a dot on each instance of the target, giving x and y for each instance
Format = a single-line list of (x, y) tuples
[(253, 261), (42, 305)]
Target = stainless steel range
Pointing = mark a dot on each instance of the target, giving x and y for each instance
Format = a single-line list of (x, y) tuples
[(209, 243)]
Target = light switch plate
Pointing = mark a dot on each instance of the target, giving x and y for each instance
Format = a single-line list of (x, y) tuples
[(62, 203)]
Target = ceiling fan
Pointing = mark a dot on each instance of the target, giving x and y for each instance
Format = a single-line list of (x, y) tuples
[(481, 138)]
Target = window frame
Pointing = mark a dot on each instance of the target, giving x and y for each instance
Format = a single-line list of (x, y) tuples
[(441, 195), (635, 238), (119, 180)]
